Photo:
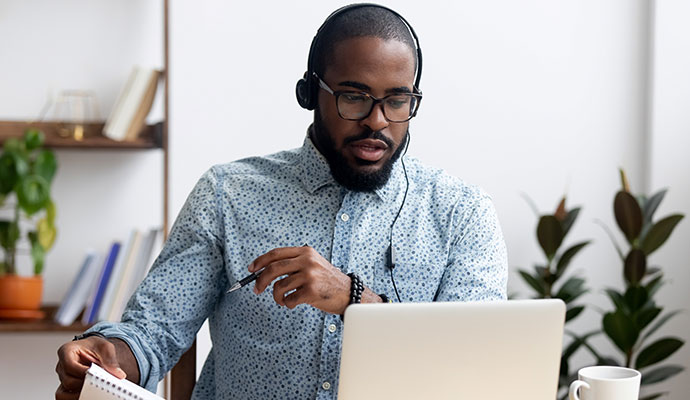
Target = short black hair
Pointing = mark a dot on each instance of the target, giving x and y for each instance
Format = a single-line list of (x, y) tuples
[(359, 22)]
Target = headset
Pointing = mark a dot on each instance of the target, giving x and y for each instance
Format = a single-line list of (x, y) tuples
[(307, 89), (307, 95)]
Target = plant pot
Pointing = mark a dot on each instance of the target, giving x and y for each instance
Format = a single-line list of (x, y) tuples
[(20, 296)]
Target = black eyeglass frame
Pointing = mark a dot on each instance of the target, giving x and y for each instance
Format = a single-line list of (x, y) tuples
[(336, 93)]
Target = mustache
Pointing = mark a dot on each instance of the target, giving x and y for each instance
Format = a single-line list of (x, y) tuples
[(369, 134)]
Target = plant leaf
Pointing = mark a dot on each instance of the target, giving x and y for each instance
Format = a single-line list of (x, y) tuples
[(657, 352), (654, 285), (33, 138), (661, 374), (533, 282), (628, 215), (654, 396), (635, 297), (567, 256), (573, 312), (570, 220), (617, 299), (652, 204), (46, 233), (571, 289), (646, 316), (33, 193), (37, 253), (51, 212), (621, 330), (660, 232), (635, 266), (45, 165), (8, 172), (659, 323), (549, 234)]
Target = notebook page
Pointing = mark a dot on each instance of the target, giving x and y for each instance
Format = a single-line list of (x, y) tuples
[(101, 385)]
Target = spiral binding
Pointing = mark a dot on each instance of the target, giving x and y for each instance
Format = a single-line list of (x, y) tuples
[(114, 389)]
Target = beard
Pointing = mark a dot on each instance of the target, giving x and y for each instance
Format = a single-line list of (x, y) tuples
[(342, 172)]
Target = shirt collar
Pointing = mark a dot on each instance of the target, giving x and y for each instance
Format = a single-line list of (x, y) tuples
[(316, 172)]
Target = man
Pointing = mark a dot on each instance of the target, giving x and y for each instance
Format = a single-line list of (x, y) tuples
[(343, 219)]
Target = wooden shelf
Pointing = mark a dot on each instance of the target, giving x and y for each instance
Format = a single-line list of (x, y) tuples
[(43, 325), (149, 138)]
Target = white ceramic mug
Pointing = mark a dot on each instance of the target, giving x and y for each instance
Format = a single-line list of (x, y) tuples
[(606, 383)]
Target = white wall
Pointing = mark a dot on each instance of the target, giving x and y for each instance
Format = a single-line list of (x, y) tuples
[(531, 96), (534, 96)]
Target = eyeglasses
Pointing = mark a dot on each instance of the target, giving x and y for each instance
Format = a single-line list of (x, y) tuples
[(356, 106)]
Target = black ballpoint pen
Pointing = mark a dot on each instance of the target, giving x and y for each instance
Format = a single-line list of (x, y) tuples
[(248, 279), (245, 281)]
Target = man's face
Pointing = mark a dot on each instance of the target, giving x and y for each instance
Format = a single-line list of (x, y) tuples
[(361, 153)]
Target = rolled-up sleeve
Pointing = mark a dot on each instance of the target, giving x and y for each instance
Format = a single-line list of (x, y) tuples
[(477, 268), (164, 314)]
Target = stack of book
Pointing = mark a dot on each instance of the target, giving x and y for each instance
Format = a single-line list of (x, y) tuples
[(105, 282)]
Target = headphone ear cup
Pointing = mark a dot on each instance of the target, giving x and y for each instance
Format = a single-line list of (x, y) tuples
[(304, 93)]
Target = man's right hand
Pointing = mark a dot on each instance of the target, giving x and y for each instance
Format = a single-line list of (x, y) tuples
[(74, 358)]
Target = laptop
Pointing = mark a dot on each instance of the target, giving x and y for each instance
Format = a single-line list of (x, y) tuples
[(470, 351)]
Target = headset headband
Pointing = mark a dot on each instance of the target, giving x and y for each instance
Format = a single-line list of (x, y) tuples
[(306, 90)]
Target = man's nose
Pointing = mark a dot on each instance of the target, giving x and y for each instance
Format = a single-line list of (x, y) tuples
[(376, 120)]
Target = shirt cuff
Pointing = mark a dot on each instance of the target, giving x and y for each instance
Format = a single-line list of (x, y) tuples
[(124, 332)]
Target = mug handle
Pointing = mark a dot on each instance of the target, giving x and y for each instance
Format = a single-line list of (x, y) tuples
[(572, 392)]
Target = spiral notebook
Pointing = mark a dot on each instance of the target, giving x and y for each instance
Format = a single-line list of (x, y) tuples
[(101, 385)]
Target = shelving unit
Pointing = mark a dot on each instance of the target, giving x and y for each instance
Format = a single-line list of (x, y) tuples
[(43, 325), (154, 137)]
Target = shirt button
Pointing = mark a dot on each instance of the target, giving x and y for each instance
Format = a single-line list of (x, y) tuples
[(332, 328), (326, 386), (345, 217)]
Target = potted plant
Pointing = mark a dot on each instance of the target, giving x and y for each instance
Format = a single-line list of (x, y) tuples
[(548, 278), (27, 222), (636, 315)]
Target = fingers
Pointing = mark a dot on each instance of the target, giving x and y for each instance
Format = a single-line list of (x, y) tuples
[(274, 270), (286, 285), (75, 358), (275, 255)]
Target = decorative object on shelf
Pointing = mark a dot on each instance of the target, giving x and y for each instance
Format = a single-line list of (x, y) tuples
[(74, 109), (636, 316), (546, 278), (26, 173)]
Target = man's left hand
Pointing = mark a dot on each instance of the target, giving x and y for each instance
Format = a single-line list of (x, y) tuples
[(308, 278)]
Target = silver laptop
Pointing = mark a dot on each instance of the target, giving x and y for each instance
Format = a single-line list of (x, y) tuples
[(470, 351)]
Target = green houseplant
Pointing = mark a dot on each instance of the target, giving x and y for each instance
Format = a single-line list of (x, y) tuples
[(26, 173), (548, 279), (636, 316)]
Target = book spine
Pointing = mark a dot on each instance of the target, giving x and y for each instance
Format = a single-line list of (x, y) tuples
[(103, 283)]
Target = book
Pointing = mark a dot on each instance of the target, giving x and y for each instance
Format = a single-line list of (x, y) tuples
[(116, 278), (128, 116), (99, 384), (91, 312), (135, 273), (144, 259), (76, 297), (120, 298)]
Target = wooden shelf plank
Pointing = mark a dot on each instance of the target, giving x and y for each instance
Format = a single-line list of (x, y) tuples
[(44, 325), (149, 138)]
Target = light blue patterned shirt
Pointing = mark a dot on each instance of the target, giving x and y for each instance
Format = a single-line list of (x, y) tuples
[(448, 243)]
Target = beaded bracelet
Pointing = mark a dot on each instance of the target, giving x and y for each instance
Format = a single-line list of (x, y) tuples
[(356, 288)]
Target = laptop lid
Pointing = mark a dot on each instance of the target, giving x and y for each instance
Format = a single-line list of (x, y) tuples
[(490, 351)]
